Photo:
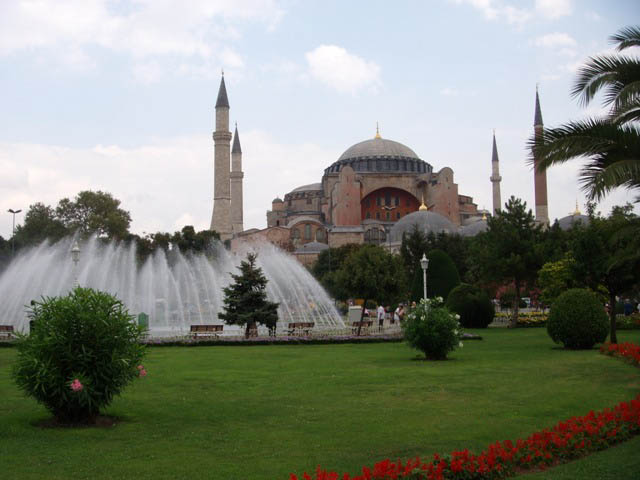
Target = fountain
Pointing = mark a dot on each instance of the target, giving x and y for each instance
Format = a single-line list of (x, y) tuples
[(176, 290)]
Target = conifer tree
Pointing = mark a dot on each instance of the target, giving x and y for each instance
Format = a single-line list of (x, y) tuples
[(245, 300)]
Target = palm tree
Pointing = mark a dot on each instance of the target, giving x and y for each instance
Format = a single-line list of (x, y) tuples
[(611, 144)]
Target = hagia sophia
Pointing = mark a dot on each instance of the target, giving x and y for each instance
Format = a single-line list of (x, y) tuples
[(374, 192)]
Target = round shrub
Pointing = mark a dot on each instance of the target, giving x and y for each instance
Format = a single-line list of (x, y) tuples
[(432, 329), (472, 304), (577, 320), (82, 351)]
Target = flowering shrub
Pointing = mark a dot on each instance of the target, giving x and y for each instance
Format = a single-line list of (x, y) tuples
[(82, 351), (629, 351), (570, 439), (432, 329), (526, 319)]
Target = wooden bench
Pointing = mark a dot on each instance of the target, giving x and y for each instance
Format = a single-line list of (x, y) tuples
[(6, 331), (206, 330), (364, 326), (300, 328)]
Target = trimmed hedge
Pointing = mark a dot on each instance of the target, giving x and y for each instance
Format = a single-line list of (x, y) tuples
[(578, 320), (472, 304)]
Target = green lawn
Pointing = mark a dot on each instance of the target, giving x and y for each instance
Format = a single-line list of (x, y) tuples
[(261, 412)]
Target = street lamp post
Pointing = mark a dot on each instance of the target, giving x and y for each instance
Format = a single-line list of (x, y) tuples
[(13, 231), (75, 257), (424, 263)]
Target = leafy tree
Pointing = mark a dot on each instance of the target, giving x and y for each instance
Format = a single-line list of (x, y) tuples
[(611, 144), (454, 245), (187, 240), (40, 223), (94, 213), (327, 266), (508, 251), (442, 274), (245, 300), (556, 277), (607, 253), (372, 273)]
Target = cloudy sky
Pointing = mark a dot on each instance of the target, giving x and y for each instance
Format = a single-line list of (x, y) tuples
[(119, 95)]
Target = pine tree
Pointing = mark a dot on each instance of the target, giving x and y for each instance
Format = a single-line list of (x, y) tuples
[(245, 300)]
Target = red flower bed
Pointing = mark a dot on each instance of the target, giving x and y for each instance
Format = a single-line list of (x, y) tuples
[(572, 438), (629, 351)]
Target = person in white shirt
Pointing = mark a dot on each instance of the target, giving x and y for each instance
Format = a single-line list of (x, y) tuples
[(380, 317)]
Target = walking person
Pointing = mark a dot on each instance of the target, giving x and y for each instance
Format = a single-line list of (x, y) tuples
[(381, 313), (398, 314)]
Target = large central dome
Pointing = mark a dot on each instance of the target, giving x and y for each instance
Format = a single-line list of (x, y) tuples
[(380, 155), (378, 147)]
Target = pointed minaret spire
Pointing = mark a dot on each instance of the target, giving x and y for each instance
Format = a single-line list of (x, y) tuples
[(222, 101), (377, 131), (221, 217), (538, 115), (540, 178), (236, 143), (236, 177), (495, 176)]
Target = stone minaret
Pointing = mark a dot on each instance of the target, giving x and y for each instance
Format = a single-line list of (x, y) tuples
[(236, 184), (221, 218), (540, 178), (495, 177)]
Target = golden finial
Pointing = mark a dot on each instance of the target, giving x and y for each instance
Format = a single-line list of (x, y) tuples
[(577, 211), (377, 131), (484, 215), (423, 207)]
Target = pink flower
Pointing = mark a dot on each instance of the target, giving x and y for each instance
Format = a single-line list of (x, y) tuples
[(142, 372), (76, 386)]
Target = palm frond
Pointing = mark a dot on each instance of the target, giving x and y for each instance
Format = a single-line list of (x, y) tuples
[(606, 72), (626, 38), (611, 151)]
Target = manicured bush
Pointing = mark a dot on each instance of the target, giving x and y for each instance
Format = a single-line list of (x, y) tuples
[(578, 320), (82, 351), (472, 304), (442, 275), (432, 329)]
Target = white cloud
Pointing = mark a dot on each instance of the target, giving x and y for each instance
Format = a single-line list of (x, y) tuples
[(141, 29), (496, 10), (555, 40), (164, 185), (341, 70), (554, 8)]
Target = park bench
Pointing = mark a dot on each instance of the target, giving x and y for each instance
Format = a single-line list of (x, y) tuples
[(6, 331), (206, 330), (364, 326), (300, 328)]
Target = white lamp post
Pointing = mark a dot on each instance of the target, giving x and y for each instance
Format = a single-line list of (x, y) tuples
[(424, 263), (13, 230), (75, 257)]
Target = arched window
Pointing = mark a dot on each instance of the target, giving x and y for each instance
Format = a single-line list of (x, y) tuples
[(295, 233), (320, 235), (307, 232)]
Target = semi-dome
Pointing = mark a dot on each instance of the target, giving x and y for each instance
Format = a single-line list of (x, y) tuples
[(473, 229), (426, 222), (570, 220), (312, 187), (380, 155)]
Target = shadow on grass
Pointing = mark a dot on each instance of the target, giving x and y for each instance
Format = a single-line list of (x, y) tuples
[(101, 421)]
